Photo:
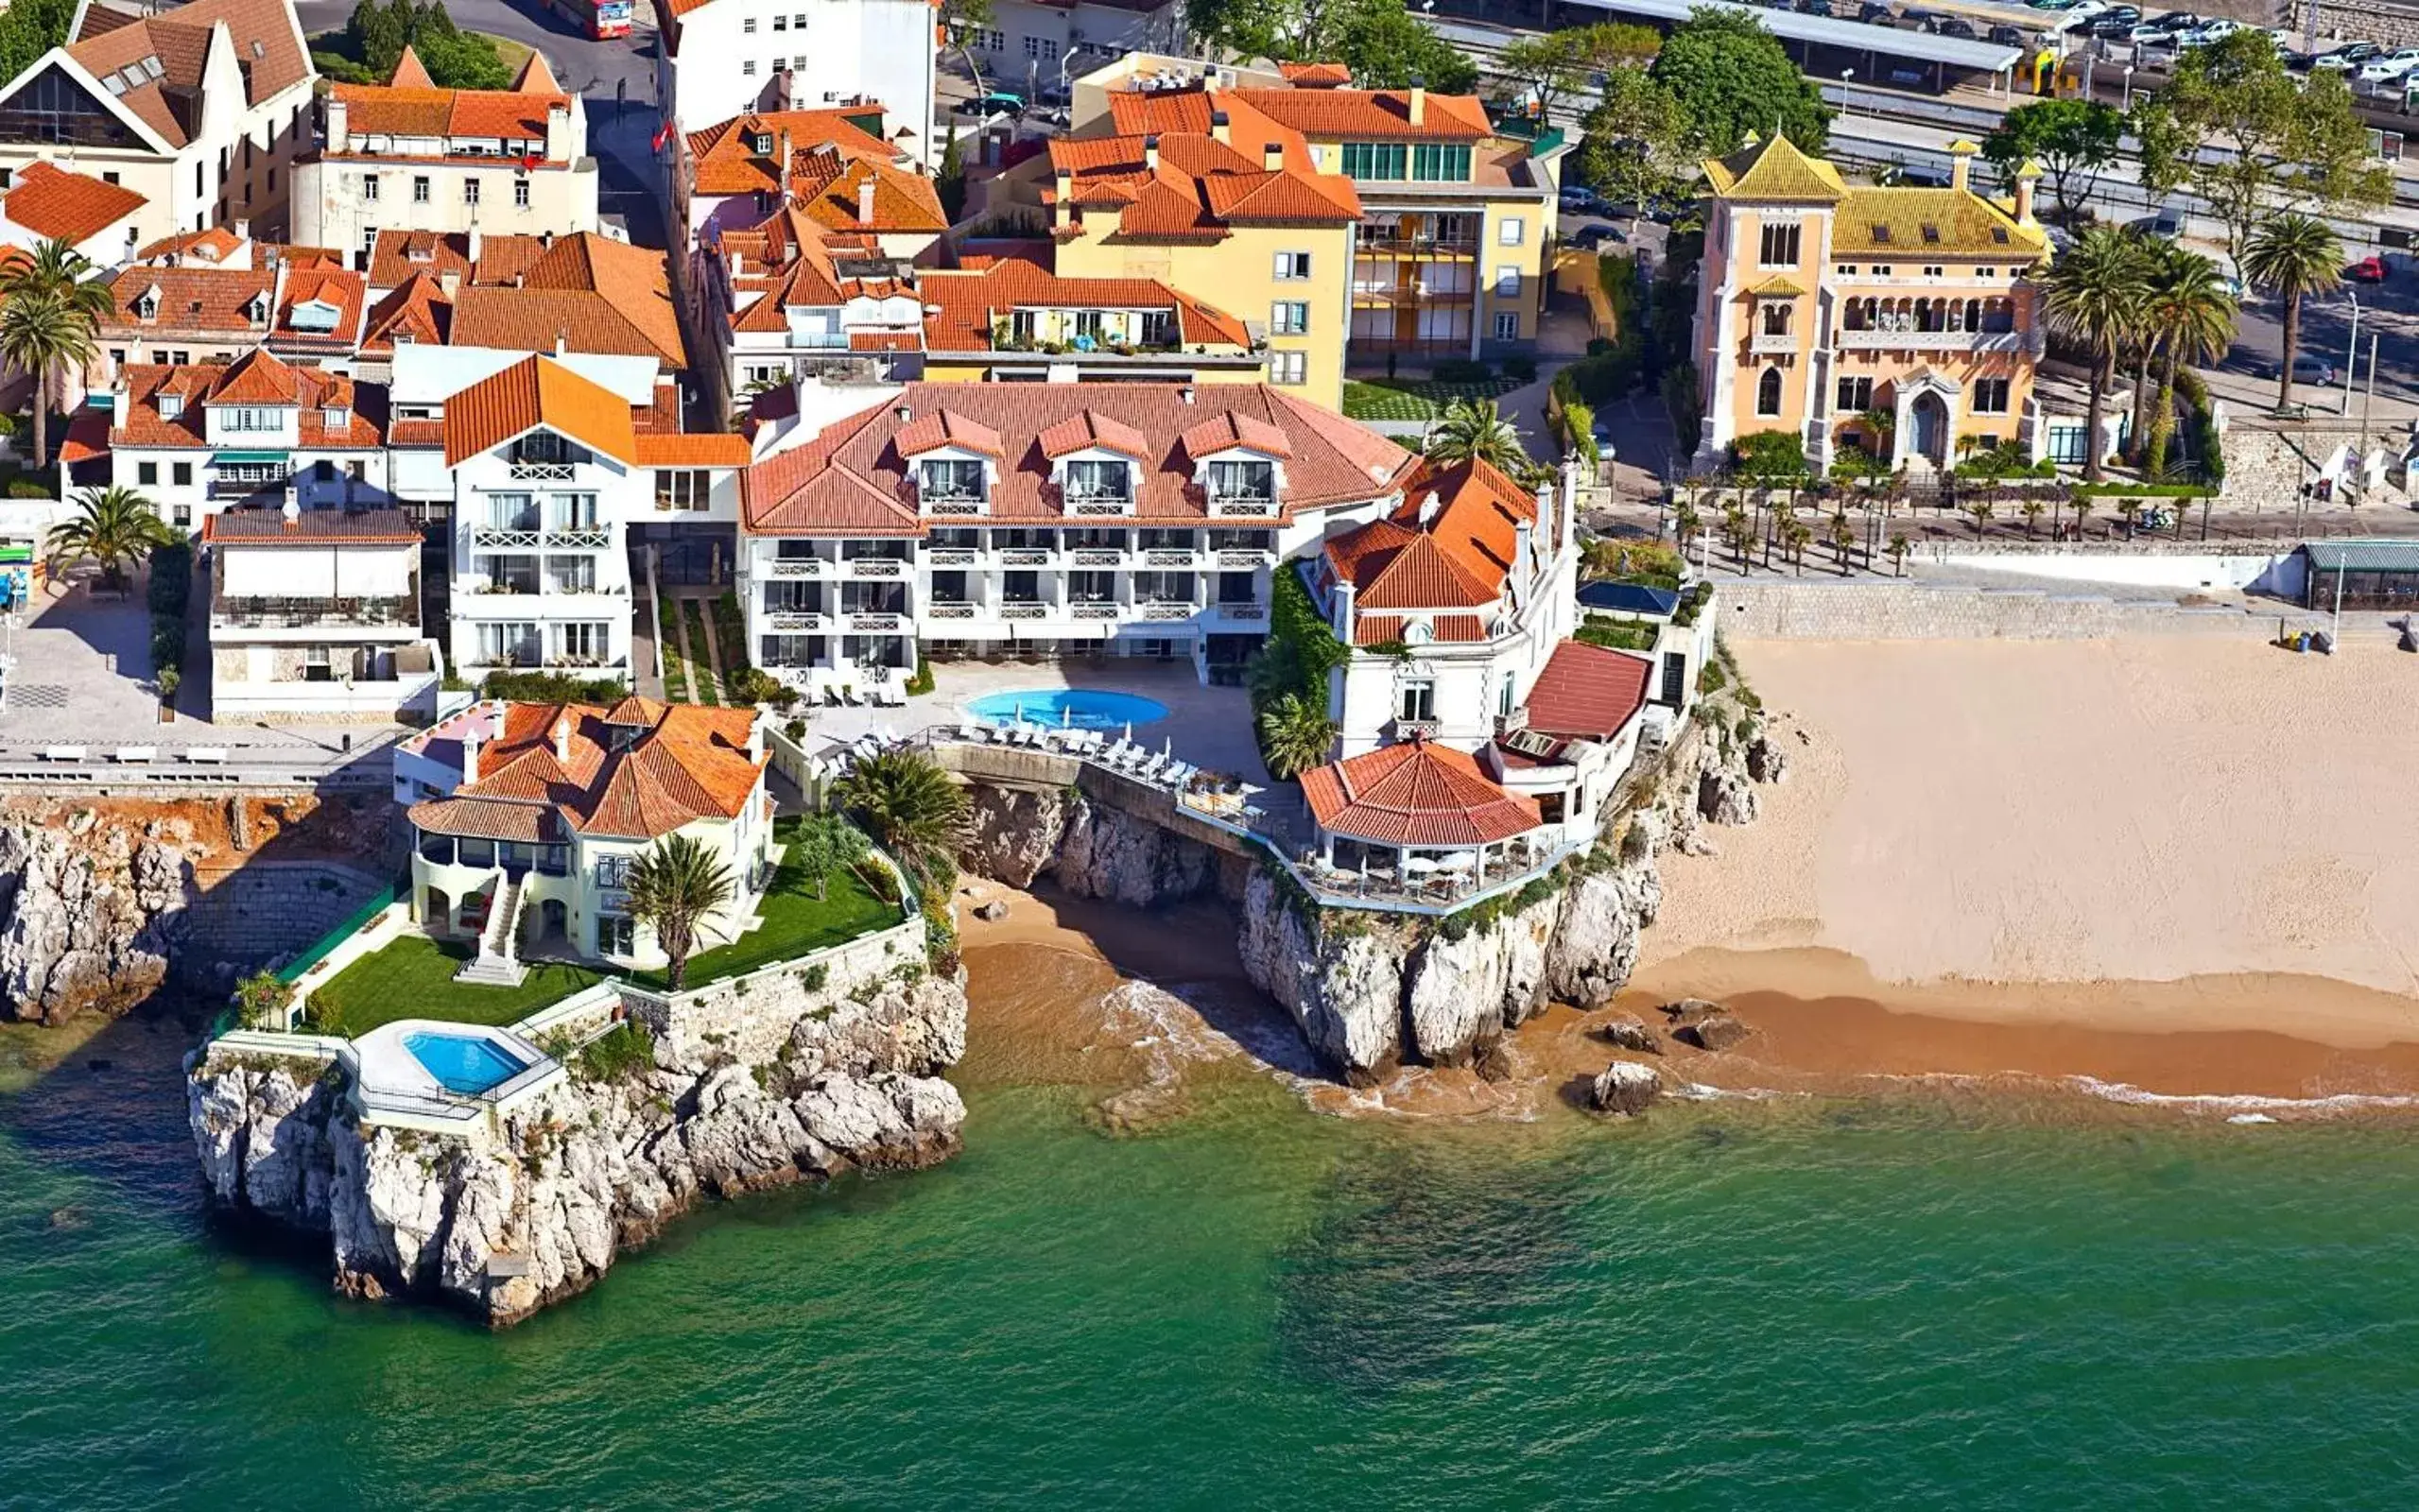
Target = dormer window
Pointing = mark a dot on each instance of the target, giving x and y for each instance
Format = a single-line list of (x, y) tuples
[(252, 418), (256, 311), (764, 143), (335, 417), (1099, 482), (146, 305), (951, 479), (313, 315), (1248, 481), (171, 406)]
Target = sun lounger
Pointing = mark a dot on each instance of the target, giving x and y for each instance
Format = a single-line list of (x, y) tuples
[(138, 753), (64, 753)]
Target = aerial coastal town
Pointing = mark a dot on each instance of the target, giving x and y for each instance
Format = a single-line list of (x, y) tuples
[(723, 493)]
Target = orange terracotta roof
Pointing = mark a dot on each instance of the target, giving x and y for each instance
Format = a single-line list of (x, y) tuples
[(343, 292), (1367, 115), (935, 429), (1198, 187), (961, 307), (311, 527), (528, 821), (1416, 794), (160, 58), (69, 207), (1457, 559), (535, 77), (193, 299), (727, 160), (416, 313), (411, 103), (538, 391), (410, 72), (256, 378), (1091, 431), (852, 478), (601, 773), (1315, 76), (1234, 429), (1387, 629), (216, 244), (1587, 692), (591, 293), (831, 190), (692, 449), (398, 254)]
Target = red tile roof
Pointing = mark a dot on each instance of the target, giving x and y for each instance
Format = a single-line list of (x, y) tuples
[(852, 478), (416, 312), (398, 254), (1315, 76), (257, 378), (1091, 430), (1234, 428), (692, 449), (610, 776), (538, 391), (961, 307), (69, 207), (167, 51), (1587, 692), (1198, 187), (193, 299), (311, 527), (1416, 794), (727, 163), (344, 292), (1366, 115), (408, 104), (1457, 559), (587, 291), (1387, 629), (935, 429)]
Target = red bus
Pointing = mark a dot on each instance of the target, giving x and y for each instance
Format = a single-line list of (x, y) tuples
[(601, 17)]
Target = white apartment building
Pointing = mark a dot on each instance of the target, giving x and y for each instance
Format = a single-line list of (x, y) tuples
[(719, 58), (1039, 47), (315, 615), (407, 156), (199, 109)]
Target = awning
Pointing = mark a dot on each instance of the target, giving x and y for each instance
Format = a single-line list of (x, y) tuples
[(371, 573), (246, 458), (278, 572)]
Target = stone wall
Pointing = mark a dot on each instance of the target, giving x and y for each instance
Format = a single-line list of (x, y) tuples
[(266, 910), (1891, 610), (751, 1017)]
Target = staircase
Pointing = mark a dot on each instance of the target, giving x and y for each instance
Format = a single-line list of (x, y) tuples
[(498, 962)]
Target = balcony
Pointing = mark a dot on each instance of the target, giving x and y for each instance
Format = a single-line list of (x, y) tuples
[(1419, 246), (875, 623), (799, 567), (1931, 341), (1243, 614), (309, 613), (1180, 558), (954, 609), (1102, 610), (238, 488), (1025, 609), (560, 538), (952, 506), (1241, 507), (538, 471), (1026, 556), (1766, 344), (1097, 556), (1401, 729), (1240, 559), (862, 569), (1169, 611), (1095, 506), (806, 621), (953, 557)]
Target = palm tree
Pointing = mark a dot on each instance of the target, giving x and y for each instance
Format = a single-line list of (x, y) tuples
[(2292, 256), (2080, 503), (1899, 547), (674, 885), (2093, 295), (906, 801), (1295, 735), (1982, 509), (1795, 537), (1843, 540), (2031, 509), (2193, 317), (112, 526), (1878, 424), (1472, 429), (53, 309)]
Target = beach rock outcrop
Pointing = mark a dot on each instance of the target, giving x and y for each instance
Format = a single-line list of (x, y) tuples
[(1715, 1031), (526, 1209), (1767, 760), (1625, 1087), (90, 919), (1088, 848), (1630, 1033)]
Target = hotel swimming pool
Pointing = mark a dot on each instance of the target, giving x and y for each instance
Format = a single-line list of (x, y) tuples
[(466, 1065), (1069, 708)]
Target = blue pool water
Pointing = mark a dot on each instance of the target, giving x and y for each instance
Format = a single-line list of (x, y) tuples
[(462, 1063), (1077, 707)]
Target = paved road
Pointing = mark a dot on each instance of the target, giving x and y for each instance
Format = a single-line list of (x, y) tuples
[(616, 79)]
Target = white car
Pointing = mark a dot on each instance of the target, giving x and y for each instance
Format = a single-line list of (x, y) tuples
[(2207, 32), (2393, 65)]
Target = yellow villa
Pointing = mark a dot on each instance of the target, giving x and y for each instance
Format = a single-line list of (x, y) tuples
[(1824, 306)]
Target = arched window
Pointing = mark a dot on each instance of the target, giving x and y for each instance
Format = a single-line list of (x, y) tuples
[(1776, 319), (1768, 392)]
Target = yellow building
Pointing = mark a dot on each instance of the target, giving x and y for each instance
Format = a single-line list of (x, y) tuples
[(1822, 302), (1011, 321)]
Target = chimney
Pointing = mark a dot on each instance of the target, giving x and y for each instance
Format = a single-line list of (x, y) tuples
[(1150, 154), (449, 283), (1427, 509), (1272, 155), (339, 117), (559, 132), (243, 230), (562, 740), (1524, 550), (1064, 206), (903, 412), (1343, 593), (1419, 104), (2026, 176), (1219, 129), (1960, 162), (562, 343), (470, 247), (470, 747), (292, 511), (865, 201), (1185, 393), (757, 733), (781, 165), (118, 403)]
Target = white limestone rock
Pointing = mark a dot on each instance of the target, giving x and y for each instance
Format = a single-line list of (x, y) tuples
[(1625, 1087), (1344, 988)]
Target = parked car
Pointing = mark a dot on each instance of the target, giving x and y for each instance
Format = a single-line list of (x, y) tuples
[(2388, 65), (2351, 55), (2052, 4), (2307, 369), (2119, 22), (2167, 223), (2006, 36), (2207, 32), (1813, 8), (1874, 13), (1588, 239), (998, 102), (2369, 269), (1957, 26), (1579, 199)]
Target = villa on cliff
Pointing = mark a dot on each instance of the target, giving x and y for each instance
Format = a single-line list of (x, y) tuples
[(526, 819)]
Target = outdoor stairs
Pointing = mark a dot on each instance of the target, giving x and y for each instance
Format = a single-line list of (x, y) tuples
[(498, 962)]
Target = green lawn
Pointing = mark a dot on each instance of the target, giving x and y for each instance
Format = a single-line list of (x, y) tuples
[(1404, 398), (795, 921), (412, 978)]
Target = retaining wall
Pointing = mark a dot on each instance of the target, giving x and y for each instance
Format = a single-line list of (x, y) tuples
[(1911, 610), (752, 1016)]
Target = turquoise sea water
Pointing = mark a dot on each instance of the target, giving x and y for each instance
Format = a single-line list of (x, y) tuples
[(1254, 1306)]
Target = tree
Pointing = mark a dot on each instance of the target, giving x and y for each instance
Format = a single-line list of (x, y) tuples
[(2093, 296), (1475, 430), (1899, 547), (1842, 539), (949, 180), (1385, 48), (961, 21), (1982, 507), (903, 799), (1731, 78), (2293, 143), (2293, 256), (2067, 137), (1559, 63), (455, 59), (2031, 509), (1295, 735), (1637, 145), (30, 28), (825, 843), (1770, 459), (50, 320), (112, 526), (676, 884), (2191, 317)]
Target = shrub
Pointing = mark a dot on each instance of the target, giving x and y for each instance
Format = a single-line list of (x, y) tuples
[(260, 998), (1616, 635), (552, 687), (922, 682), (29, 488), (755, 685), (168, 679), (1520, 368), (1461, 371), (627, 1050)]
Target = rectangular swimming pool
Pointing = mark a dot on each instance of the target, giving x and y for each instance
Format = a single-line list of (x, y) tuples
[(466, 1065)]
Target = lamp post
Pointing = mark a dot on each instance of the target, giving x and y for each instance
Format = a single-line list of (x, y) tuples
[(1847, 102), (2352, 352), (2127, 104)]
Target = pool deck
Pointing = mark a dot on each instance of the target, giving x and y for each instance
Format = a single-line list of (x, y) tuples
[(1210, 728), (391, 1074)]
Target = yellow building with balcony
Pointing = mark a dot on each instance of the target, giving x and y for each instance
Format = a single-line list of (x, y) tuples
[(1900, 322)]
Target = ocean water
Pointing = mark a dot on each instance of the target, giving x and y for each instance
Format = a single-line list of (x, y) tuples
[(1837, 1305)]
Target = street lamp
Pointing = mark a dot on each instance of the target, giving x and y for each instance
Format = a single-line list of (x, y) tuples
[(1847, 102), (2351, 354), (2127, 104)]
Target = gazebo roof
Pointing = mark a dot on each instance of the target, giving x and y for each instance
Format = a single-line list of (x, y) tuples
[(1416, 794)]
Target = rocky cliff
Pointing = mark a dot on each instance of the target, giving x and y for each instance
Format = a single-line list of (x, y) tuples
[(535, 1205), (1372, 991), (90, 917)]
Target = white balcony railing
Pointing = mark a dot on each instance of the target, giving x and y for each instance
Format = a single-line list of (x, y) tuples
[(799, 567), (1024, 611), (1097, 556), (876, 623), (541, 471), (1162, 557), (954, 555), (1096, 508), (1768, 345), (1169, 612), (569, 538), (1240, 508), (1237, 559), (863, 568), (954, 507), (796, 620), (1026, 556), (949, 612), (1930, 341), (1093, 612)]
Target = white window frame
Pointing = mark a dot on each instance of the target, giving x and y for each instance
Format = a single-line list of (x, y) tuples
[(1289, 318), (1510, 231), (1290, 368), (1507, 325), (1292, 267), (1508, 282)]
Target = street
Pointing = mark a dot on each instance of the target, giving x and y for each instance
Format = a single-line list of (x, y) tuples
[(616, 80)]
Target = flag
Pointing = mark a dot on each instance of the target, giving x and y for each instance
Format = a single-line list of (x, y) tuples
[(662, 135), (529, 161)]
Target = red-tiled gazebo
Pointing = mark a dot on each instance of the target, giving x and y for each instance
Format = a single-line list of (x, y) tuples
[(1420, 801)]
